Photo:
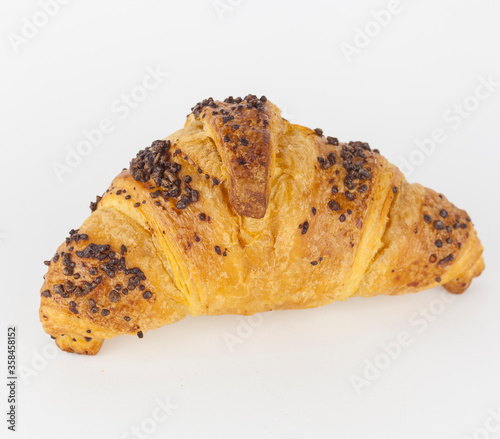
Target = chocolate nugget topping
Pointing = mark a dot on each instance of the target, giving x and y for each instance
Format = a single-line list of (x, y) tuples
[(155, 163), (250, 100)]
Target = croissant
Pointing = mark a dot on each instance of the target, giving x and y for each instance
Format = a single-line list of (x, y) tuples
[(242, 212)]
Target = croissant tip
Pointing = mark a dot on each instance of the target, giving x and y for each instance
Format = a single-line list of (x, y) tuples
[(77, 344), (462, 282)]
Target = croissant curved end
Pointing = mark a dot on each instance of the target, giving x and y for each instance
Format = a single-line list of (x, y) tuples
[(463, 281)]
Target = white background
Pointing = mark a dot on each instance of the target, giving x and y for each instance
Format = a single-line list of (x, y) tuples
[(291, 377)]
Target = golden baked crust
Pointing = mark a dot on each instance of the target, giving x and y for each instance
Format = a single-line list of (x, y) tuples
[(204, 223)]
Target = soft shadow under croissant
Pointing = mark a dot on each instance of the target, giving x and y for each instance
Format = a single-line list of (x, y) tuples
[(241, 212)]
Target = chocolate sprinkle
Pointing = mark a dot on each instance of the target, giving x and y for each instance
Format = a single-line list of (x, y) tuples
[(114, 296), (325, 164), (331, 158), (181, 204), (227, 119), (333, 205), (350, 196), (93, 205), (438, 225), (446, 260), (332, 141)]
